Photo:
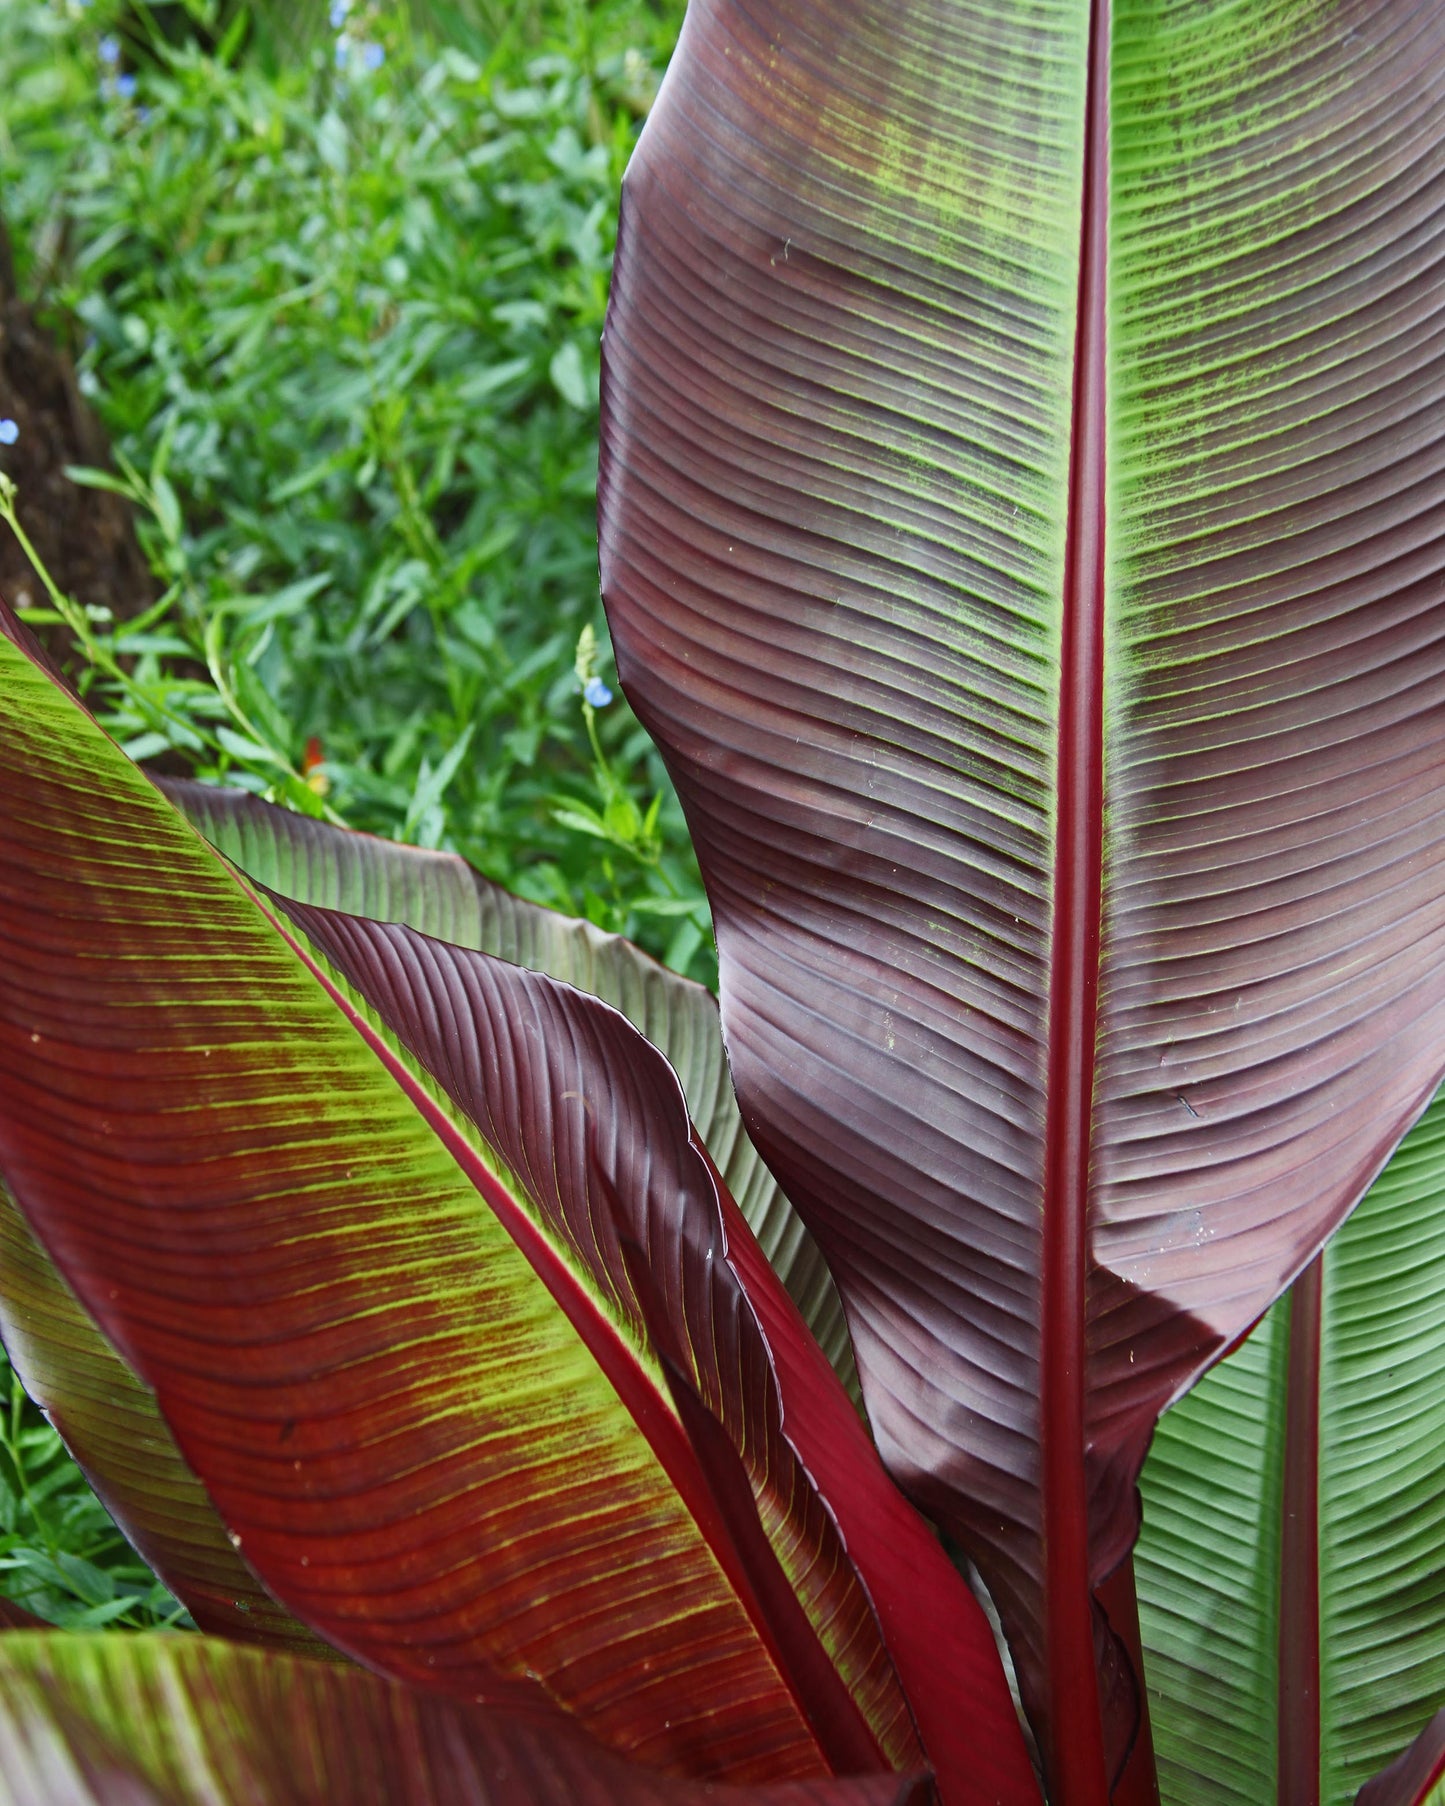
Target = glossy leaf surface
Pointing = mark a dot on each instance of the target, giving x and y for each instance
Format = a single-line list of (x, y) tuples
[(112, 1426), (170, 1721), (371, 1322), (1020, 494), (1306, 1475), (442, 896), (585, 1125)]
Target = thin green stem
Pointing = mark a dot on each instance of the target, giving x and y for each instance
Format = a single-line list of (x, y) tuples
[(102, 659)]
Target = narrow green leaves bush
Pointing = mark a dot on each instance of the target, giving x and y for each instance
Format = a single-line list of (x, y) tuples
[(341, 317)]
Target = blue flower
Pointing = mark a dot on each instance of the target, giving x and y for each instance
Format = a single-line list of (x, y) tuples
[(372, 56), (9, 432), (337, 15), (343, 50), (597, 695), (110, 48), (125, 86)]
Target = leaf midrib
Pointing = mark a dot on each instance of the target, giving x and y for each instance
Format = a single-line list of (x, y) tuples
[(1078, 1769)]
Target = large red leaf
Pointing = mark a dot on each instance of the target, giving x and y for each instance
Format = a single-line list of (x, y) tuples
[(155, 1721), (109, 1419), (581, 1120), (1021, 530), (362, 1355), (932, 1628), (395, 1341), (692, 1281), (113, 1427), (313, 862)]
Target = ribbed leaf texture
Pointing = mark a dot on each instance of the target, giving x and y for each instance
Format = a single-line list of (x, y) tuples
[(459, 1350), (403, 1430), (112, 1425), (166, 1721), (1020, 529), (1290, 1582), (440, 894), (687, 1281), (585, 1124), (1414, 1778)]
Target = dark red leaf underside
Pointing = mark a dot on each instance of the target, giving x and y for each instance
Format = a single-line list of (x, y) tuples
[(930, 1620), (845, 563)]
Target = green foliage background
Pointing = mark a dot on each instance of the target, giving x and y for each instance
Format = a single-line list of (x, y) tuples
[(342, 324), (334, 285)]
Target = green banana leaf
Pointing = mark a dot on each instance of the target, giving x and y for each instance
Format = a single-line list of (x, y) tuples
[(1291, 1570)]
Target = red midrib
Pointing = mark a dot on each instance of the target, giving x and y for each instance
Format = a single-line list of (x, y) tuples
[(1078, 1774), (843, 1737), (1299, 1554)]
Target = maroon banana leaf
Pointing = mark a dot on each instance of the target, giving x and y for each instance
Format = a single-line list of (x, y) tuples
[(440, 894), (453, 1331), (1021, 530), (1414, 1778), (109, 1420), (112, 1426), (192, 1721)]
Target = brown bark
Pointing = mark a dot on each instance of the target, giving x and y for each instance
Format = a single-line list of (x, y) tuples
[(86, 536)]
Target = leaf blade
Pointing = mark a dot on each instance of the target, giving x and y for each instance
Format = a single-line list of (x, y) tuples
[(838, 531), (716, 1316), (314, 863), (201, 1142), (182, 1723), (1214, 1559), (458, 1012), (110, 1423)]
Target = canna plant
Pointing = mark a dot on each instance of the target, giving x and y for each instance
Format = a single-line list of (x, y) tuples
[(1020, 531)]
